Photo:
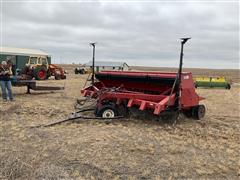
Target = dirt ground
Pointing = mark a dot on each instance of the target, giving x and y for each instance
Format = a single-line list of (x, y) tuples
[(122, 149)]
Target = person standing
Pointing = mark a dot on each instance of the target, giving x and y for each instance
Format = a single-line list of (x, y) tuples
[(5, 82)]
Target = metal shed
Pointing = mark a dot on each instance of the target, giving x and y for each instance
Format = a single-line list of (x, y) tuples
[(108, 65), (20, 56)]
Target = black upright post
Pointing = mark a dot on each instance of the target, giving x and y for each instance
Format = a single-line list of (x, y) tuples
[(93, 62), (184, 40)]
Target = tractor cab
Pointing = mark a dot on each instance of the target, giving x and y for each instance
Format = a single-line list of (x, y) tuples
[(37, 61)]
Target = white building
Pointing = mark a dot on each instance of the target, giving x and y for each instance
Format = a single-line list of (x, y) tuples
[(108, 65)]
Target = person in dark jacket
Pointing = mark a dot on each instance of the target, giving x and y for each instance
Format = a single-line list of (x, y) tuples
[(5, 82)]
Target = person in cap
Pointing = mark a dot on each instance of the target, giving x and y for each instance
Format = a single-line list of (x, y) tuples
[(5, 82)]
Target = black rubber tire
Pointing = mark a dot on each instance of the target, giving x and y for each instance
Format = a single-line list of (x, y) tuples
[(76, 71), (48, 74), (101, 112), (57, 77), (40, 73), (199, 112), (81, 71), (228, 87)]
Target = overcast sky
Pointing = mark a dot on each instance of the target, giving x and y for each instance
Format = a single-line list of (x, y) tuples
[(139, 33)]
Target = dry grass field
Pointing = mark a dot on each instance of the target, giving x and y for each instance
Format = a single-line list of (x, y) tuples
[(122, 149)]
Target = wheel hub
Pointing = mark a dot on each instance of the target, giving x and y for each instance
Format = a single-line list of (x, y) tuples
[(201, 112), (108, 113), (41, 74)]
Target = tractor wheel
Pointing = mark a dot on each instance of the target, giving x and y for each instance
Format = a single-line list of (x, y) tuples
[(40, 73), (57, 77), (107, 111), (76, 70), (199, 112), (48, 74), (80, 71)]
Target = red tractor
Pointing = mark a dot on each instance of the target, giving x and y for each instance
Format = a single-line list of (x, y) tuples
[(39, 68)]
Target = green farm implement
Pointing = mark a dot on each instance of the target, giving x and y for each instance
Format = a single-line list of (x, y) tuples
[(211, 82)]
